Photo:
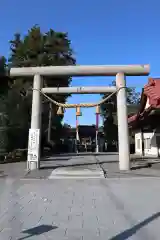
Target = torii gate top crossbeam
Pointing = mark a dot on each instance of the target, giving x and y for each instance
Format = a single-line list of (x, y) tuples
[(97, 70), (78, 90)]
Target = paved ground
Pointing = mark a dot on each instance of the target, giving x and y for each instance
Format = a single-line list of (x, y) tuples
[(80, 209), (91, 166), (111, 208)]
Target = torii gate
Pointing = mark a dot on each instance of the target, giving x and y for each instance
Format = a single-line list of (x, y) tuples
[(120, 71)]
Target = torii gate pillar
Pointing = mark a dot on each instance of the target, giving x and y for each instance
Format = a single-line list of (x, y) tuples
[(33, 159), (123, 133)]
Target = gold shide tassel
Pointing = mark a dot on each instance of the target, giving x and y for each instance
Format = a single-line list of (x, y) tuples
[(60, 111), (98, 109), (78, 111)]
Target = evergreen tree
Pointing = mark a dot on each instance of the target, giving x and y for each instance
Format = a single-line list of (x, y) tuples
[(38, 49), (4, 87)]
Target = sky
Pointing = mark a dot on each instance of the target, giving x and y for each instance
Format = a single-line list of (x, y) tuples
[(101, 32)]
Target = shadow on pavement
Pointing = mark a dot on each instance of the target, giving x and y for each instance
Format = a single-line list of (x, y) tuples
[(131, 231), (68, 165), (143, 158), (84, 154), (140, 166), (53, 159), (38, 230)]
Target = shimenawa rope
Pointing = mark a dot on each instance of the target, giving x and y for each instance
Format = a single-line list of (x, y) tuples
[(69, 105)]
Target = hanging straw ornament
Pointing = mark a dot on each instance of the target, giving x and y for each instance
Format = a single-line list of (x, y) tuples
[(78, 111), (60, 111), (97, 109)]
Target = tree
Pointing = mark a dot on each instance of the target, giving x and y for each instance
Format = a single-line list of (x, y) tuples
[(39, 49), (109, 113), (66, 130), (110, 106), (4, 88), (3, 83)]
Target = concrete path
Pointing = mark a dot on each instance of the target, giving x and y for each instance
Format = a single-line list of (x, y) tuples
[(105, 209), (78, 167), (82, 166), (91, 166)]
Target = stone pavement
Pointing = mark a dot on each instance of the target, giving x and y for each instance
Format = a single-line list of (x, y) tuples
[(13, 170), (78, 167), (108, 206), (68, 167), (113, 209), (91, 166), (82, 166)]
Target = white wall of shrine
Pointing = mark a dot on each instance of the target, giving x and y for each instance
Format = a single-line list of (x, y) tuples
[(150, 139)]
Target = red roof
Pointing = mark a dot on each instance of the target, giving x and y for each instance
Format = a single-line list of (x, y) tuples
[(151, 92)]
